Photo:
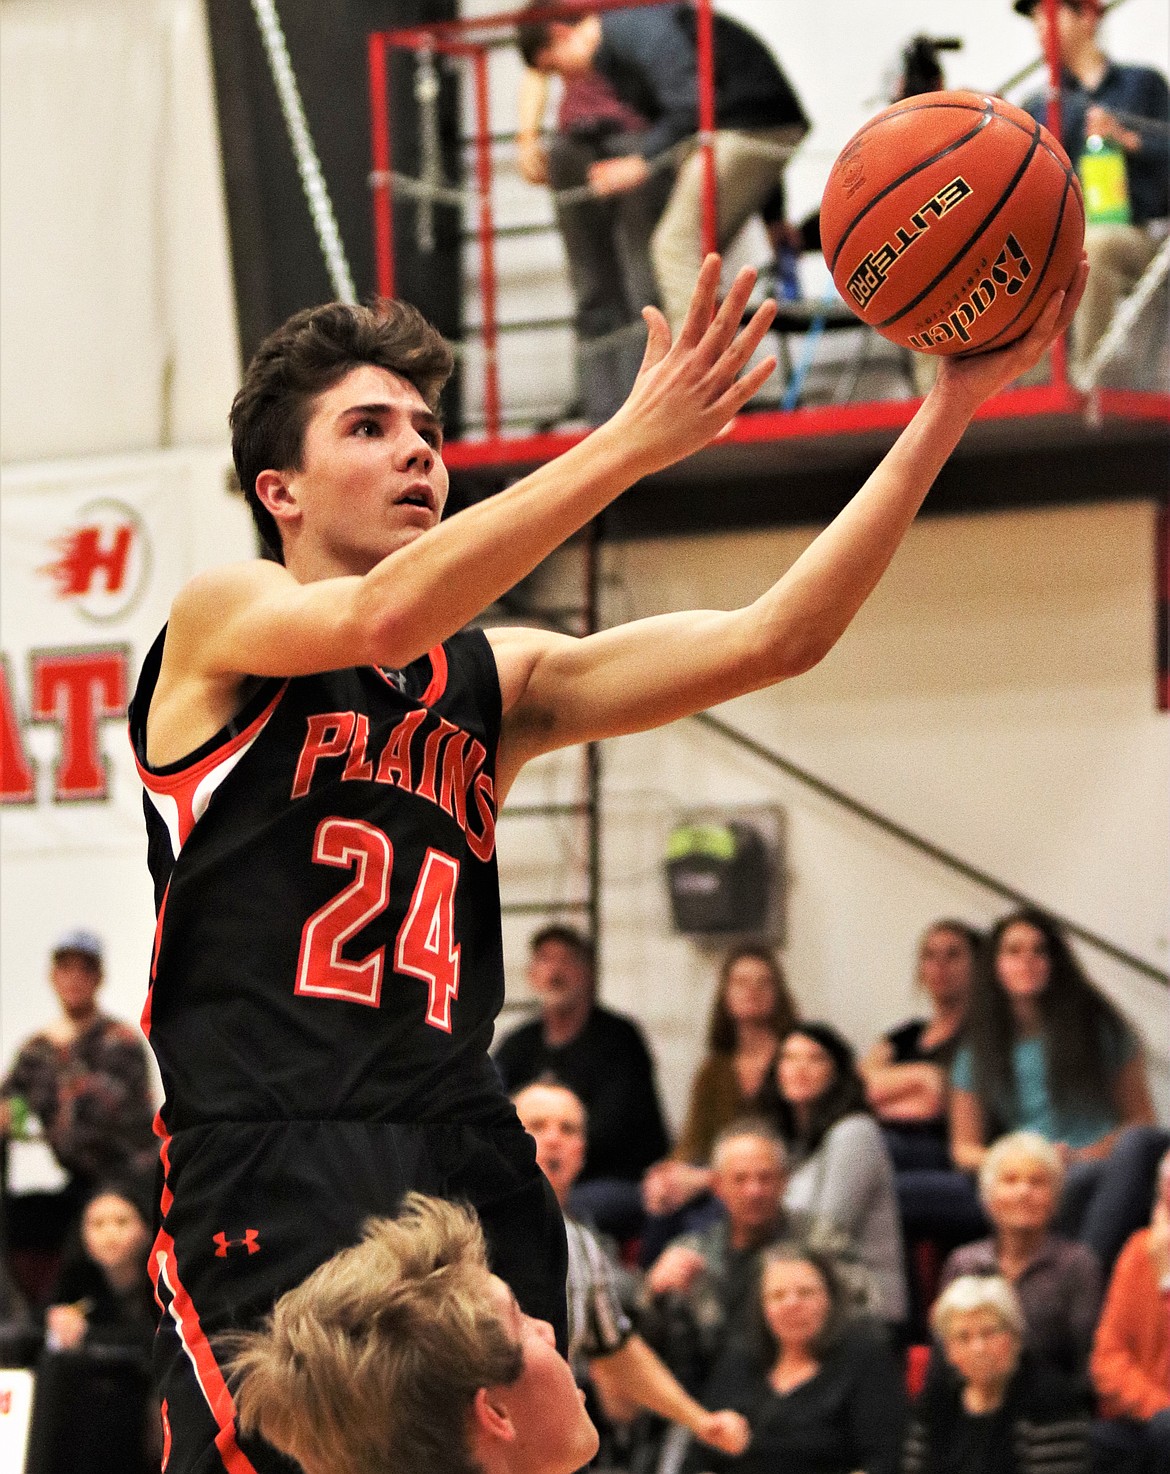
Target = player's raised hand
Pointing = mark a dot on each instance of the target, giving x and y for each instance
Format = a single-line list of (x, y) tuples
[(981, 375), (688, 390)]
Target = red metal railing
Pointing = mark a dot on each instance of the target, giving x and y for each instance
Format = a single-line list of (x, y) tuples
[(469, 38)]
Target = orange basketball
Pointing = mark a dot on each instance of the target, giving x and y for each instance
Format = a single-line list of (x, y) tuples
[(949, 220)]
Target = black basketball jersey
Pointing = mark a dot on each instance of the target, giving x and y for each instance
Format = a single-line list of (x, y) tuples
[(328, 940)]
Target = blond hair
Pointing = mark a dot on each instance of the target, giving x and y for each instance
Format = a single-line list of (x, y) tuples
[(1029, 1144), (371, 1365), (978, 1292)]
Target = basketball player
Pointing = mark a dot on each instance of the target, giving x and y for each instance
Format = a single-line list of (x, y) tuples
[(405, 1353), (324, 751)]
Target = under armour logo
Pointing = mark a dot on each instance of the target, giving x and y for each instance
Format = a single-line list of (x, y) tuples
[(392, 677), (250, 1241)]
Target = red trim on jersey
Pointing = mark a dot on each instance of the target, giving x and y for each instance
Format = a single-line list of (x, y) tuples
[(166, 1197), (181, 785), (164, 1413), (164, 1269), (158, 926), (438, 682)]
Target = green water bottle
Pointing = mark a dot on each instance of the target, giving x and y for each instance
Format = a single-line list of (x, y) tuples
[(1105, 182)]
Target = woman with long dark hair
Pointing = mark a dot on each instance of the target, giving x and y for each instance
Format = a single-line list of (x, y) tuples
[(1046, 1051), (821, 1389), (841, 1174), (751, 1012)]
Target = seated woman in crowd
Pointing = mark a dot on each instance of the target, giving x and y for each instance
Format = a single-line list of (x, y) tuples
[(1045, 1051), (1130, 1364), (751, 1013), (905, 1073), (988, 1407), (92, 1411), (822, 1393), (1057, 1281), (841, 1177)]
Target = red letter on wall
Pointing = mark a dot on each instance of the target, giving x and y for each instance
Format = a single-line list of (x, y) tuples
[(17, 785), (77, 691)]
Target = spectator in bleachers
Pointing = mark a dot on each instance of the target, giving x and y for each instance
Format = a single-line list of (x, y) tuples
[(751, 1012), (988, 1406), (1126, 106), (906, 1076), (841, 1174), (1045, 1051), (649, 57), (602, 1057), (603, 1344), (823, 1393), (1058, 1282), (606, 236), (905, 1072), (92, 1411), (699, 1290), (1130, 1364), (86, 1080)]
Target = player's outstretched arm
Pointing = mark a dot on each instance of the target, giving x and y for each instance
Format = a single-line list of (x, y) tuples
[(558, 690), (259, 620)]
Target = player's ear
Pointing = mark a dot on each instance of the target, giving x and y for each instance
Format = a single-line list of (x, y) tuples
[(491, 1422), (275, 494)]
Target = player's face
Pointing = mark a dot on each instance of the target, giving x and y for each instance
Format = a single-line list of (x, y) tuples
[(113, 1233), (372, 477), (553, 1434), (75, 980), (556, 1121), (749, 1182)]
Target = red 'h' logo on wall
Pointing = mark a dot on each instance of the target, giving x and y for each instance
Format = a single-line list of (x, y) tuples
[(87, 552)]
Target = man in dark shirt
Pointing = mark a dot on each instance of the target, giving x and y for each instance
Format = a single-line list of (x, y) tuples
[(1128, 106), (649, 58), (603, 1059)]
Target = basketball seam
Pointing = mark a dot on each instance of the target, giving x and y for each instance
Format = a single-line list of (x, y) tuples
[(984, 119), (1007, 327), (971, 240)]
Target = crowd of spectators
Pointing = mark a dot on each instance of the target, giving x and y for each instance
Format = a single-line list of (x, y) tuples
[(769, 1260)]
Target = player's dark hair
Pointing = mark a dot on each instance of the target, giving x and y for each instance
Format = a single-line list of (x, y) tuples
[(310, 353), (721, 1030), (843, 1096), (1085, 1035), (566, 936), (371, 1365)]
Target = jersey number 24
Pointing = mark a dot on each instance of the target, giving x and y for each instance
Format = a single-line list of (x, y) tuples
[(425, 947)]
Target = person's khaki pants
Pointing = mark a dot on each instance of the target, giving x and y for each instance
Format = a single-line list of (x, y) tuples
[(748, 166)]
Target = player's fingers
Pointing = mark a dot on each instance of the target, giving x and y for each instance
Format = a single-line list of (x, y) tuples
[(729, 404), (726, 322), (657, 338), (1072, 299), (702, 307), (746, 342)]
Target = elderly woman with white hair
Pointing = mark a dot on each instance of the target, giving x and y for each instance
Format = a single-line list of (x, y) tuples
[(1058, 1282), (988, 1407)]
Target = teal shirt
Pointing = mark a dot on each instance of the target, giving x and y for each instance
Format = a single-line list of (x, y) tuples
[(1033, 1108)]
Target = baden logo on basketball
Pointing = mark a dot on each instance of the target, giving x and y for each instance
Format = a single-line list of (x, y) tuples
[(1010, 270), (874, 267)]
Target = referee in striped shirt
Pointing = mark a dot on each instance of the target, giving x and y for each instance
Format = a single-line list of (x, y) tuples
[(626, 1373)]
